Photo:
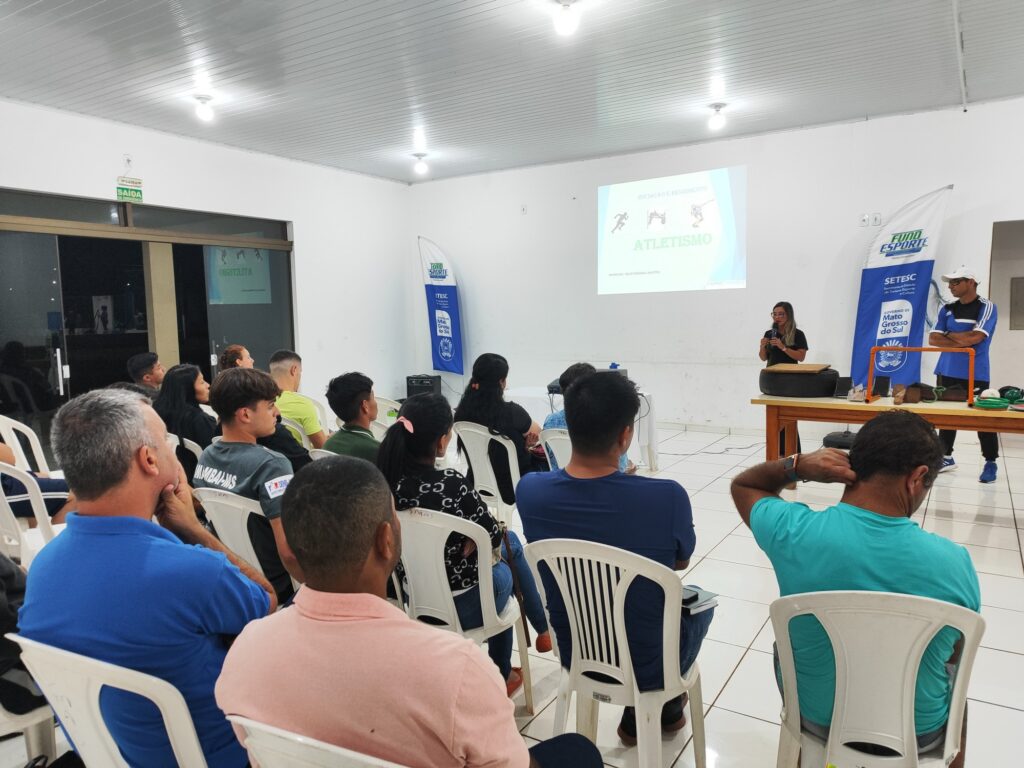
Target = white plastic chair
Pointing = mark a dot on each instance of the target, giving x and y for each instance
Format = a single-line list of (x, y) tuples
[(476, 440), (557, 444), (272, 747), (320, 453), (19, 542), (10, 429), (424, 533), (387, 410), (229, 514), (183, 442), (37, 728), (379, 429), (72, 685), (878, 640), (297, 432), (593, 580), (208, 410), (321, 411)]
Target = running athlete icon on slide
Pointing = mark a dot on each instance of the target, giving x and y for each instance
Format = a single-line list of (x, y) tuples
[(620, 221)]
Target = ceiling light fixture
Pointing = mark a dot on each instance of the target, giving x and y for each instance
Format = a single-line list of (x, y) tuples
[(420, 167), (203, 109), (419, 139), (717, 121), (567, 17)]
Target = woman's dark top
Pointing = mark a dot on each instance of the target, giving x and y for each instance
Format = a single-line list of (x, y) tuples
[(194, 425), (776, 356), (513, 422), (445, 490)]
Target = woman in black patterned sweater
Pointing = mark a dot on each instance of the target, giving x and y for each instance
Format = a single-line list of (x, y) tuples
[(407, 456)]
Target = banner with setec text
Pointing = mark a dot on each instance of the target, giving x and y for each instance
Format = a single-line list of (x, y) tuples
[(442, 308), (894, 291)]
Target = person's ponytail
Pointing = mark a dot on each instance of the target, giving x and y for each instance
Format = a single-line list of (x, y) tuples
[(393, 454)]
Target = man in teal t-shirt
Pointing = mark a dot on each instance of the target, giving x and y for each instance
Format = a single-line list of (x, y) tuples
[(865, 542)]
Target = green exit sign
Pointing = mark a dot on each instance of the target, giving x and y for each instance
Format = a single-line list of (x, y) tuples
[(129, 190)]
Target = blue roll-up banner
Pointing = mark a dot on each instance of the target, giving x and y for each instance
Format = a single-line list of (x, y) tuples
[(894, 291), (442, 308)]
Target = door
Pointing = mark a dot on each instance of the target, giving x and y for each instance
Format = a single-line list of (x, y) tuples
[(249, 300), (33, 369)]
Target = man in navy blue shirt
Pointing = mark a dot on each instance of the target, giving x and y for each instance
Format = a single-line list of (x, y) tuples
[(590, 499), (968, 322), (116, 586)]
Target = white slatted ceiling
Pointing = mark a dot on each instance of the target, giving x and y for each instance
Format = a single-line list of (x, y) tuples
[(343, 82)]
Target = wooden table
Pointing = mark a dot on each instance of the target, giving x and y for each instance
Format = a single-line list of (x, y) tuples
[(783, 413)]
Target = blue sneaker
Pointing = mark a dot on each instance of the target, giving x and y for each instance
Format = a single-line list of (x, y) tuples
[(947, 464), (988, 474)]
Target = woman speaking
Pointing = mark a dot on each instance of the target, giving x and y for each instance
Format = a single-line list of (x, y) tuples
[(783, 342)]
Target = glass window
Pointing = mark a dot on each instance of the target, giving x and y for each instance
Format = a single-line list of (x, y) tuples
[(34, 205), (149, 217)]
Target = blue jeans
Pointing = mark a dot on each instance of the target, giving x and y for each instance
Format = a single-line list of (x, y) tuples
[(499, 647)]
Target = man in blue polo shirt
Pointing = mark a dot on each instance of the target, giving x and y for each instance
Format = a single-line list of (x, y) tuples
[(116, 586), (590, 499), (968, 322), (865, 542)]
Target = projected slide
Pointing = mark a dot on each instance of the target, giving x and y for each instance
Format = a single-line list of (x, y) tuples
[(237, 275), (676, 233)]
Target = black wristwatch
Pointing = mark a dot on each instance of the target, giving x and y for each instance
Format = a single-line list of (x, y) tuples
[(789, 464)]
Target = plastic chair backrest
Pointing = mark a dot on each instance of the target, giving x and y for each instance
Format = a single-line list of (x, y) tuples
[(878, 639), (593, 580), (277, 748), (229, 514), (192, 447), (208, 410), (10, 429), (72, 684), (18, 393), (321, 412), (557, 444), (10, 529), (477, 439), (387, 410), (379, 429), (320, 453), (297, 432), (424, 533)]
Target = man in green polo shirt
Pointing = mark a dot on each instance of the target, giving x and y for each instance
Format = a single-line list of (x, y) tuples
[(351, 398), (286, 368)]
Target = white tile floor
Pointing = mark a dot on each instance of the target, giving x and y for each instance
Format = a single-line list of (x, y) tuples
[(740, 697)]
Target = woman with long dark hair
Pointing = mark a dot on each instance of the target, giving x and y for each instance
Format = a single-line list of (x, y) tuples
[(407, 458), (183, 389), (484, 403)]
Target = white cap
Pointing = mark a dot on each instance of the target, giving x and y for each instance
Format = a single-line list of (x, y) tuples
[(962, 272)]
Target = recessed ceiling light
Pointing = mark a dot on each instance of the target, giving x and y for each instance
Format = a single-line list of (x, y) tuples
[(567, 17), (717, 121), (203, 109), (421, 166)]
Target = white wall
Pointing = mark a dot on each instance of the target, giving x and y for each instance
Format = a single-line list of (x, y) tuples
[(528, 282), (350, 243), (1007, 263)]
